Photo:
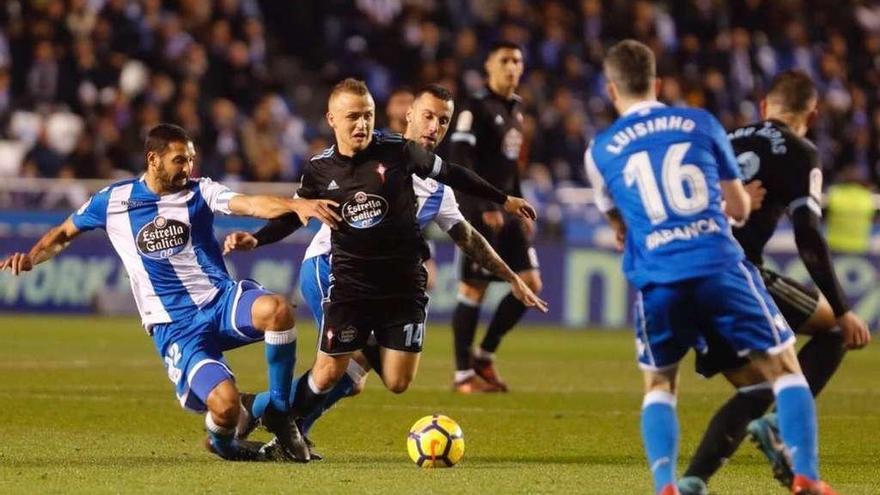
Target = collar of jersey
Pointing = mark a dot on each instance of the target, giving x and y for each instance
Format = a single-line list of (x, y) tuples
[(642, 105)]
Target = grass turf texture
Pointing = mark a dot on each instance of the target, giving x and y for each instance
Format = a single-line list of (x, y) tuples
[(88, 409)]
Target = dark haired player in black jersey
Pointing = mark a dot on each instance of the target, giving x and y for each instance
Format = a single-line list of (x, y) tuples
[(488, 138), (377, 278), (775, 152)]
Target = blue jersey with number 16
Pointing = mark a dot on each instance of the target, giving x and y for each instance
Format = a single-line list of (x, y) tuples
[(660, 167)]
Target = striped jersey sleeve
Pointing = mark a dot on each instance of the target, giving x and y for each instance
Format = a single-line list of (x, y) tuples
[(216, 195)]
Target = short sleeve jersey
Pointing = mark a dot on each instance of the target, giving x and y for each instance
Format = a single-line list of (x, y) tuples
[(661, 167), (166, 243), (378, 247)]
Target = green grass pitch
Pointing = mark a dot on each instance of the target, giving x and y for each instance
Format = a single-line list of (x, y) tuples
[(87, 408)]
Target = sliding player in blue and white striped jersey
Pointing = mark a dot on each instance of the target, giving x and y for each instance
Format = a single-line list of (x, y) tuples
[(161, 226)]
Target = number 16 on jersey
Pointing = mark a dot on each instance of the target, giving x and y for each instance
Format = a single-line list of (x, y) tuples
[(684, 185)]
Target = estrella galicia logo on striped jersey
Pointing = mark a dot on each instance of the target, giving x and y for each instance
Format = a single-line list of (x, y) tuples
[(364, 210), (162, 238)]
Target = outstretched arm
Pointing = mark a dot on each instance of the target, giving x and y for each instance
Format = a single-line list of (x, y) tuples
[(426, 164), (52, 243), (476, 247), (467, 181), (270, 207)]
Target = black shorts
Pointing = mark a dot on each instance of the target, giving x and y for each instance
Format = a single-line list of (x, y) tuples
[(397, 323), (795, 301), (512, 245)]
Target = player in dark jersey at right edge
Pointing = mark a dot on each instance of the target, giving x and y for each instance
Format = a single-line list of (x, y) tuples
[(488, 138), (775, 152), (377, 277)]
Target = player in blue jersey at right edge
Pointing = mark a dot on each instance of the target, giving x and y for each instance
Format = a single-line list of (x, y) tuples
[(661, 176)]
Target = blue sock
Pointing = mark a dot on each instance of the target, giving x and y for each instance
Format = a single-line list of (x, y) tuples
[(341, 390), (261, 402), (281, 357), (222, 438), (660, 436), (796, 413)]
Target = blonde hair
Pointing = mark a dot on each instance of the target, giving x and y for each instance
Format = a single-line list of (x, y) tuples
[(349, 85)]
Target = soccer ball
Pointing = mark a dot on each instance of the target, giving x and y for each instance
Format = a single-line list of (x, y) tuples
[(435, 441)]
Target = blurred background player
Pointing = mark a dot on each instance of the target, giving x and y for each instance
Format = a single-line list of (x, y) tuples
[(660, 175), (396, 108), (776, 153), (428, 120), (161, 225), (488, 138), (399, 103)]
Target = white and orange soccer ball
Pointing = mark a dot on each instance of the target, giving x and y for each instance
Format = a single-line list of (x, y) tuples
[(435, 441)]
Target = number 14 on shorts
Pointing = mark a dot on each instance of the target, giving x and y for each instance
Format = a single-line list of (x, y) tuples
[(414, 333)]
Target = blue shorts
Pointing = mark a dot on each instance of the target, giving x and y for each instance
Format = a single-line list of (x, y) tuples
[(732, 305), (193, 349), (314, 284)]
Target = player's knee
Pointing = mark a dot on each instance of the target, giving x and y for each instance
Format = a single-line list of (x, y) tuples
[(223, 405), (535, 284), (472, 293), (326, 373), (271, 312), (397, 385), (822, 319)]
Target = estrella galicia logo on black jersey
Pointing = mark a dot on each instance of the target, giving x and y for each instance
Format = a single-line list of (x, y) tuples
[(365, 210), (162, 238)]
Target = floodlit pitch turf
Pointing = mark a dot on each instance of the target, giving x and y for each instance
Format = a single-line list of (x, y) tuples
[(87, 408)]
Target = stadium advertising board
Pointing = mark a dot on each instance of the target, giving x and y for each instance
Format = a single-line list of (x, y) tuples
[(582, 280)]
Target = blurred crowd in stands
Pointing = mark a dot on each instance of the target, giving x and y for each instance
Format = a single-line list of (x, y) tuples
[(82, 80)]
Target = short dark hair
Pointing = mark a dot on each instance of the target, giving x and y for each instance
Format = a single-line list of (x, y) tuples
[(435, 90), (631, 66), (502, 45), (161, 135), (350, 85), (793, 90)]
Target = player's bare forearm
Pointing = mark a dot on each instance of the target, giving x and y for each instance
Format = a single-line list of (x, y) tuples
[(261, 206), (618, 225), (53, 242), (270, 207), (476, 247), (737, 203)]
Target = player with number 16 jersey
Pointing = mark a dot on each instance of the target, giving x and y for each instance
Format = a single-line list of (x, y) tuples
[(660, 175), (682, 231)]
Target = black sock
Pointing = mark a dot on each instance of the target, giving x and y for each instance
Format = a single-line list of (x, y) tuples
[(464, 327), (510, 311), (726, 431), (374, 359), (820, 357), (306, 401)]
